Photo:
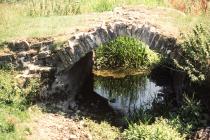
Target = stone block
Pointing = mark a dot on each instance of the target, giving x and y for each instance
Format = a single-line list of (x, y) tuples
[(159, 43), (82, 44), (101, 36), (155, 40), (138, 33), (7, 58), (90, 41), (133, 29), (67, 57), (69, 51), (120, 29), (151, 37), (62, 58), (111, 33), (18, 46), (145, 35)]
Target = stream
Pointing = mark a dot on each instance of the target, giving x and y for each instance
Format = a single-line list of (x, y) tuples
[(132, 92)]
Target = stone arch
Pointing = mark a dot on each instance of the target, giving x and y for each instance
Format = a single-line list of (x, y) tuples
[(80, 44)]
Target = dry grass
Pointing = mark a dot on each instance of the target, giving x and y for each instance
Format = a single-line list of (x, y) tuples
[(14, 22), (191, 6)]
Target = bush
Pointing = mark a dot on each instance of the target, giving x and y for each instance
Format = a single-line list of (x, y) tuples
[(190, 113), (160, 130), (196, 54), (124, 52)]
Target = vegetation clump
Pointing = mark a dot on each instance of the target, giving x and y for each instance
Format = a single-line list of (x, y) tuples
[(13, 105), (102, 130), (196, 53), (150, 124), (159, 130), (124, 52)]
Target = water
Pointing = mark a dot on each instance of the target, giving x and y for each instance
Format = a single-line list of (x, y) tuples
[(129, 93)]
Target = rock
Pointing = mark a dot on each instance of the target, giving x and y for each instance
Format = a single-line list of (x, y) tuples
[(30, 53), (202, 134), (7, 58), (18, 46), (44, 52), (73, 137)]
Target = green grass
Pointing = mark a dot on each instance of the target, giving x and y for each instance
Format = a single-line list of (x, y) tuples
[(179, 124), (72, 7), (13, 106), (107, 5), (14, 25), (159, 130), (101, 130)]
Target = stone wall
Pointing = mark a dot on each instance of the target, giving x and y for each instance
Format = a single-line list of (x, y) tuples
[(70, 82)]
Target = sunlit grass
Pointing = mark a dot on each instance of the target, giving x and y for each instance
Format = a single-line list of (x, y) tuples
[(15, 21), (101, 130)]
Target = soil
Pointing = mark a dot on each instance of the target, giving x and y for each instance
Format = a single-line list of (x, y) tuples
[(51, 126), (58, 122)]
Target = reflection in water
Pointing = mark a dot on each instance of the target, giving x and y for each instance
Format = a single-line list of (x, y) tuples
[(129, 93)]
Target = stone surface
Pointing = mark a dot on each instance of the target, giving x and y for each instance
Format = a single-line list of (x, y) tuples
[(7, 58), (20, 45), (202, 134)]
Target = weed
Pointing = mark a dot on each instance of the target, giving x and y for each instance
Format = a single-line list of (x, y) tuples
[(140, 116)]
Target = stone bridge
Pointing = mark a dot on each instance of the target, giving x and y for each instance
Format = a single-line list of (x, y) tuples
[(81, 44), (70, 64), (132, 24)]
